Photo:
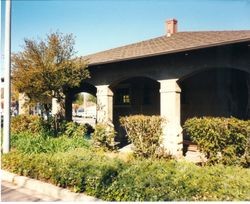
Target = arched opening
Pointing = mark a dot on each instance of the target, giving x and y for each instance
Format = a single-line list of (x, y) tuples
[(84, 108), (217, 93), (82, 104), (136, 95)]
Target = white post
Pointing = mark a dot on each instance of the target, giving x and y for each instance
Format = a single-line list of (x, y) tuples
[(7, 68), (104, 104), (170, 109)]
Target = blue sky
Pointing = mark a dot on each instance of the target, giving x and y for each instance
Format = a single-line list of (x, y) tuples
[(104, 24)]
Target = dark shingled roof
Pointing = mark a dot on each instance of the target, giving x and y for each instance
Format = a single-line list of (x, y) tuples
[(181, 41)]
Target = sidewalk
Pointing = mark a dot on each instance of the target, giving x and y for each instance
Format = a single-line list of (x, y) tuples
[(13, 193), (42, 191)]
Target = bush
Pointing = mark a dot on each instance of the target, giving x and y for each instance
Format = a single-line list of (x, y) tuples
[(23, 123), (82, 170), (220, 139), (75, 130), (104, 136), (49, 127), (145, 132), (89, 129)]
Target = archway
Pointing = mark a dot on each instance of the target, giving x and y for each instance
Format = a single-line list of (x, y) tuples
[(81, 103), (216, 92), (136, 95)]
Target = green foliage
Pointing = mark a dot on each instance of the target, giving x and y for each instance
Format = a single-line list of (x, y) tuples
[(82, 170), (158, 180), (49, 127), (145, 132), (29, 123), (79, 170), (221, 139), (37, 143), (92, 98), (67, 161), (79, 99), (75, 130), (104, 136)]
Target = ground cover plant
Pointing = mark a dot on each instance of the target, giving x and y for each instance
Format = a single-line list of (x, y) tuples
[(37, 143), (83, 170)]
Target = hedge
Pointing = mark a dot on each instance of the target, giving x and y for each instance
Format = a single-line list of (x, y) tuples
[(82, 170), (28, 123), (34, 124), (223, 140)]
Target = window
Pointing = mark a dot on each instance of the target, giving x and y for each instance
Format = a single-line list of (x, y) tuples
[(126, 99), (122, 96)]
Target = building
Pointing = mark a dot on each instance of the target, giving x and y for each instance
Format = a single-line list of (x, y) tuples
[(178, 76)]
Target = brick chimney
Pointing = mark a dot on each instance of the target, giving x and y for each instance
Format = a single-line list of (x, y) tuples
[(171, 26)]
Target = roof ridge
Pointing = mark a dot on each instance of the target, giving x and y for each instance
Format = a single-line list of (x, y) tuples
[(163, 44)]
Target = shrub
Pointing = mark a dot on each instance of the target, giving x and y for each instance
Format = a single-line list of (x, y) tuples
[(75, 130), (221, 139), (29, 123), (54, 126), (145, 132), (104, 136), (89, 129), (159, 180)]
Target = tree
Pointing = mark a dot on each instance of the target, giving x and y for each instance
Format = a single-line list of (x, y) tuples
[(48, 68), (92, 99), (79, 99)]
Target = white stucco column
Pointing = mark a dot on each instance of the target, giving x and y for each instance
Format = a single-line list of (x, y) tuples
[(22, 107), (55, 107), (104, 104), (170, 109)]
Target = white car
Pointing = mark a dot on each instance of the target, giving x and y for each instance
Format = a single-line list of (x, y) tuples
[(80, 113)]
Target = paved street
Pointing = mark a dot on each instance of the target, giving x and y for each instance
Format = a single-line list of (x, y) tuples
[(80, 120), (13, 193)]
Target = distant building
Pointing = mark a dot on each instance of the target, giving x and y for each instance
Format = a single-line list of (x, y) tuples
[(14, 104)]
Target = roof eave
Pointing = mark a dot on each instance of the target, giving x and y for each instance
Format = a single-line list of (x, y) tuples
[(170, 52)]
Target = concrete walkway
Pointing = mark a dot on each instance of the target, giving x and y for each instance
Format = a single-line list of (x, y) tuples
[(19, 188), (13, 193)]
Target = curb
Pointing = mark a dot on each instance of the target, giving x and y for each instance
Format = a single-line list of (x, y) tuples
[(45, 188)]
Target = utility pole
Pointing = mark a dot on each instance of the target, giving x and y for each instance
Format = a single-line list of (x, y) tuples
[(7, 70)]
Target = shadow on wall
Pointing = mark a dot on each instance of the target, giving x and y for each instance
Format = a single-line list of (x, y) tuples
[(217, 93)]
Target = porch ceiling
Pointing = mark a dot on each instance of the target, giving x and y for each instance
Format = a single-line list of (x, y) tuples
[(178, 42)]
